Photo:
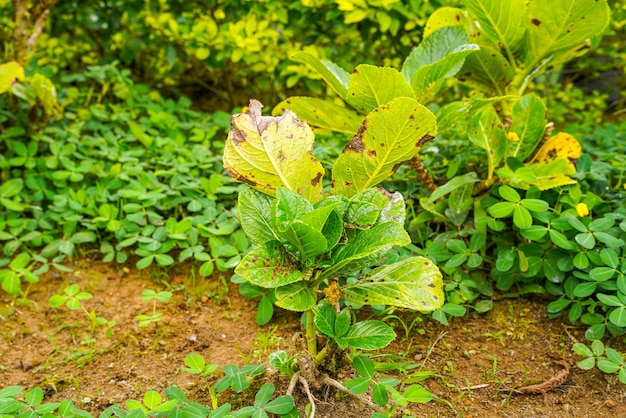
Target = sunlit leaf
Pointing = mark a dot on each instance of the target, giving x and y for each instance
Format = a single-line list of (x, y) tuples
[(413, 283), (390, 135), (371, 87), (266, 152), (323, 114)]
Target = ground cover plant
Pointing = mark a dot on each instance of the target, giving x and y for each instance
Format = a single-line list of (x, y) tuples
[(103, 157)]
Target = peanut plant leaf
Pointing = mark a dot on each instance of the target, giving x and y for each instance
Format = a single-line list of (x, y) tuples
[(320, 113), (568, 25), (267, 267), (371, 87), (336, 77), (267, 152), (413, 283), (389, 136), (529, 121), (502, 22)]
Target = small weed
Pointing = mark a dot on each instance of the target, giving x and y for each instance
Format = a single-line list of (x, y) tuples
[(153, 296)]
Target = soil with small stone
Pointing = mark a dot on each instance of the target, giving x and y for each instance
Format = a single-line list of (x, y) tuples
[(472, 359)]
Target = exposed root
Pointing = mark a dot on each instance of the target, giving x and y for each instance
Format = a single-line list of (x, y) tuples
[(326, 380), (332, 382), (542, 388)]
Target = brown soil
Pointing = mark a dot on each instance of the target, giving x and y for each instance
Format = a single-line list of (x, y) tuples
[(512, 346)]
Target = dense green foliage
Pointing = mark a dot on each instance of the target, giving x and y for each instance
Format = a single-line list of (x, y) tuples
[(104, 153)]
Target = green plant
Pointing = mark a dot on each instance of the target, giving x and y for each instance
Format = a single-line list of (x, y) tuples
[(149, 295), (607, 359), (32, 404), (306, 241), (72, 298)]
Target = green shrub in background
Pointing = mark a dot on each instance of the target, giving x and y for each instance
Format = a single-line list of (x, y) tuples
[(212, 50), (123, 171)]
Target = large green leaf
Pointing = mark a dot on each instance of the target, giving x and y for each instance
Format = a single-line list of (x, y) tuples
[(529, 121), (367, 335), (336, 77), (321, 113), (438, 57), (485, 131), (389, 136), (366, 247), (9, 72), (267, 266), (371, 87), (488, 70), (561, 25), (266, 152), (296, 297), (309, 241), (413, 283), (255, 210), (288, 207), (501, 21)]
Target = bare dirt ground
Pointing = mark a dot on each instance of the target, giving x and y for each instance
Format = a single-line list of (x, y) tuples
[(514, 345)]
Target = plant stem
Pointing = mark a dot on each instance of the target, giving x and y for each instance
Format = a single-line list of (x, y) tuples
[(310, 334)]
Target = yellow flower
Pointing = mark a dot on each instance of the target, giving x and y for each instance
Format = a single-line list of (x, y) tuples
[(513, 137), (582, 209)]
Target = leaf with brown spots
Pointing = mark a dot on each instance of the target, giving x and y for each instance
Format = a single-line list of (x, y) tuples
[(320, 113), (390, 135), (413, 283), (267, 152), (558, 26)]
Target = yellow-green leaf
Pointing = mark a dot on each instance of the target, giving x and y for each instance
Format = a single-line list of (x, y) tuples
[(390, 135), (10, 72), (322, 114), (266, 152), (372, 86), (413, 283), (561, 25), (500, 20)]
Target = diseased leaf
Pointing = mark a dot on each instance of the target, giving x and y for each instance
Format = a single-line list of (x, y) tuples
[(266, 152), (568, 25), (267, 267), (561, 145), (336, 77), (413, 283), (320, 113), (371, 87), (389, 136), (445, 17), (501, 21)]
